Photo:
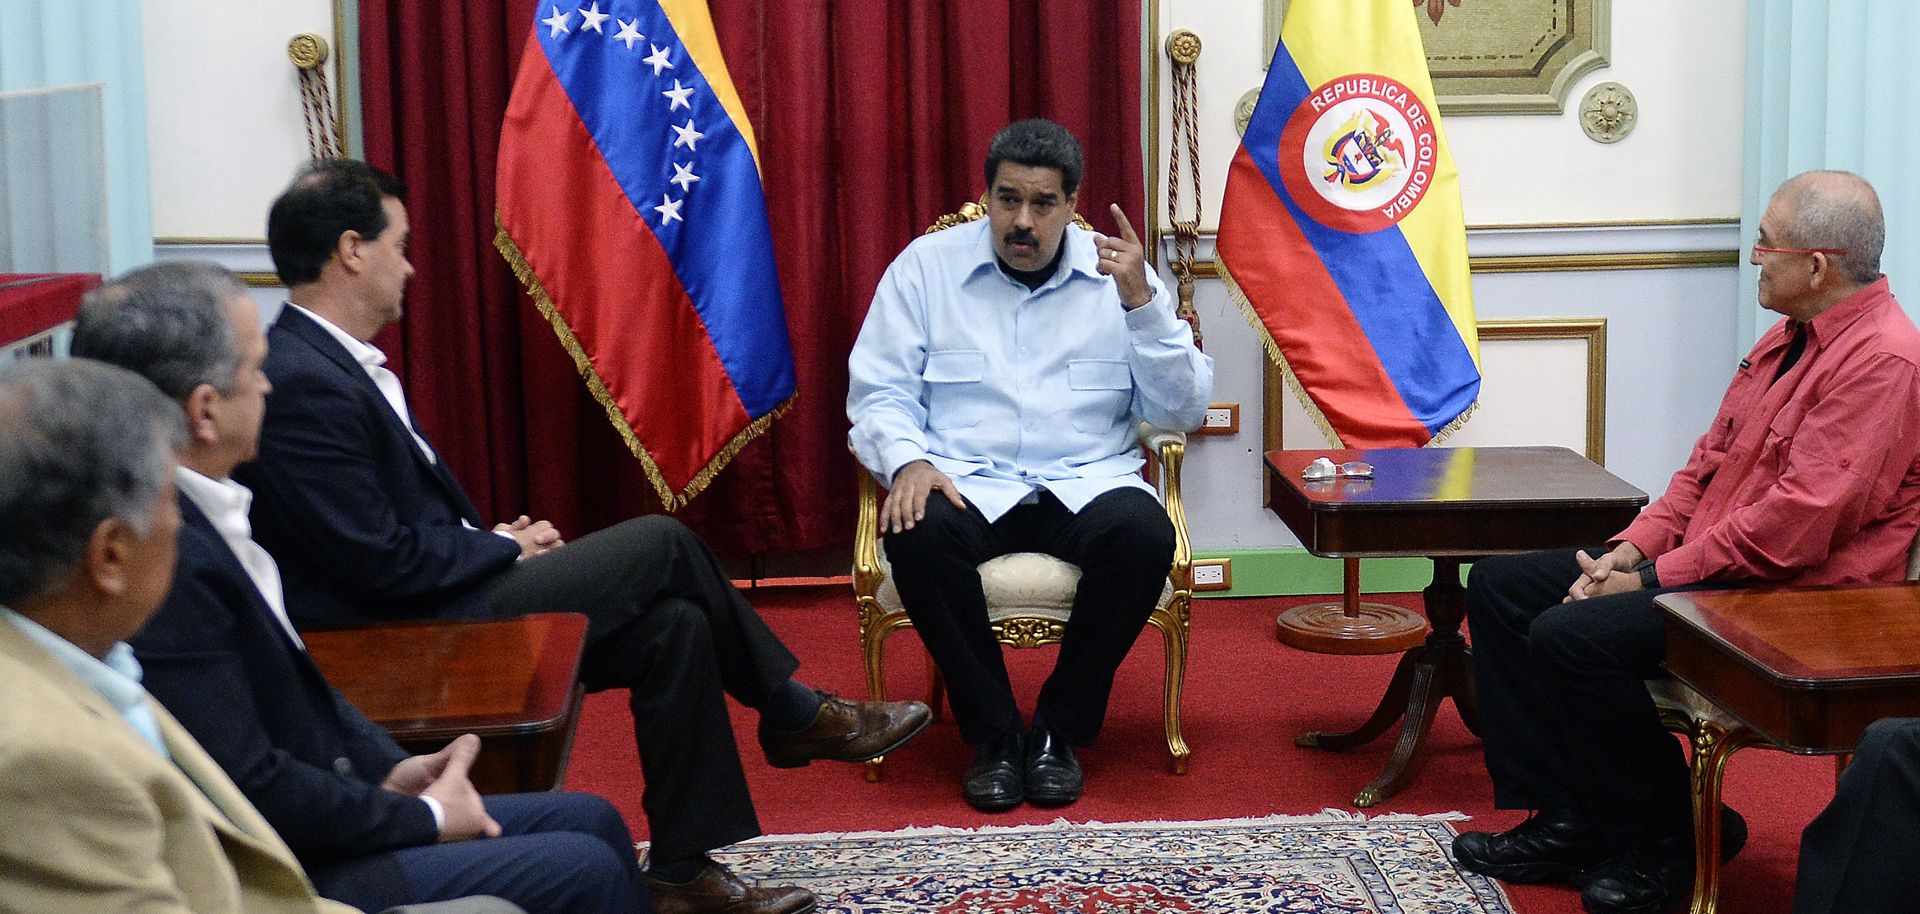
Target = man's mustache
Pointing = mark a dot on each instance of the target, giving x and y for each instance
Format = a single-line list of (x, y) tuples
[(1022, 236)]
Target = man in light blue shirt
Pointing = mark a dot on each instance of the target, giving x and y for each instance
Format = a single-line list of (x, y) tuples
[(1003, 365)]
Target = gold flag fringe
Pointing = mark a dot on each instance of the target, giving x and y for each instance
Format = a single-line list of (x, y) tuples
[(1299, 391), (670, 499)]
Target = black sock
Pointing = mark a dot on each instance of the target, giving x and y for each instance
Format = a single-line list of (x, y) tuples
[(677, 872), (792, 706)]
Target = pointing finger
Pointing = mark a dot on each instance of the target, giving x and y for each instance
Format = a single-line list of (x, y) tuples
[(1126, 228)]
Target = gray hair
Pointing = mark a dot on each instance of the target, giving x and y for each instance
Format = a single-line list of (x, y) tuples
[(1836, 209), (166, 321), (80, 441)]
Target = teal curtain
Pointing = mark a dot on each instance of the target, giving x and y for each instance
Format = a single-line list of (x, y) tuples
[(1831, 84), (48, 43)]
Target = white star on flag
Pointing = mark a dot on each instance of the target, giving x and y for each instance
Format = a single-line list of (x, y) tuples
[(557, 22), (669, 210), (683, 175), (629, 33), (678, 94), (659, 59), (687, 135), (593, 19)]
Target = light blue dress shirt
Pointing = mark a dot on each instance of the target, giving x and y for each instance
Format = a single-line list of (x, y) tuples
[(117, 679), (1009, 390)]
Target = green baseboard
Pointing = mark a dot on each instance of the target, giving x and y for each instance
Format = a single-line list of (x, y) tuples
[(1296, 572)]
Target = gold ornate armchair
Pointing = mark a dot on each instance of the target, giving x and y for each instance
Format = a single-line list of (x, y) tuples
[(1029, 594)]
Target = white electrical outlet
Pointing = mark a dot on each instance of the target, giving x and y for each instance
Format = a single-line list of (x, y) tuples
[(1212, 574), (1220, 419)]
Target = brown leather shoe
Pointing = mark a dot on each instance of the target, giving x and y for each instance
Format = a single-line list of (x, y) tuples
[(718, 891), (845, 731)]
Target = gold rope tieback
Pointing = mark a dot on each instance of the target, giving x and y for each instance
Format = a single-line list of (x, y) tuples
[(309, 54), (1183, 47)]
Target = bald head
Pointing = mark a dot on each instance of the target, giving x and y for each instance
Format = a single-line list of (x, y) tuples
[(1834, 210)]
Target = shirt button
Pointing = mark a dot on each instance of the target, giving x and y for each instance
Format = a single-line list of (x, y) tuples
[(1023, 385), (343, 767), (1023, 350)]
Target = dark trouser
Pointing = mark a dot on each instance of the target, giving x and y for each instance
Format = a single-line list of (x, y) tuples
[(1123, 543), (1564, 710), (558, 853), (665, 624), (1859, 854)]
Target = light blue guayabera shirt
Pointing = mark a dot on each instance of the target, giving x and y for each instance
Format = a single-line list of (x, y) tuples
[(1008, 390), (117, 679)]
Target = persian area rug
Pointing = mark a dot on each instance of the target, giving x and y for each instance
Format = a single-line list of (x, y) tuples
[(1333, 863)]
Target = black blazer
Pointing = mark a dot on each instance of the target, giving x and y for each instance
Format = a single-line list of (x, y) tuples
[(364, 526), (217, 658)]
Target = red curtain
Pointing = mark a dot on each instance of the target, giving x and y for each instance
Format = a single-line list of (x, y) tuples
[(873, 118)]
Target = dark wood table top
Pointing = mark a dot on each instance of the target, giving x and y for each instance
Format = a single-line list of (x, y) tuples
[(1807, 667), (439, 679), (1470, 501)]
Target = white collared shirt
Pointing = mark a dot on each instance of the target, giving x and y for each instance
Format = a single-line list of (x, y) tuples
[(116, 679), (373, 361), (225, 503)]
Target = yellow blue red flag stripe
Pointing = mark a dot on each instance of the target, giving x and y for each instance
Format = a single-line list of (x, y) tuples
[(1341, 232), (630, 204)]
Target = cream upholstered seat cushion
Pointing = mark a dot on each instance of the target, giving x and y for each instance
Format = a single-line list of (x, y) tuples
[(1017, 584)]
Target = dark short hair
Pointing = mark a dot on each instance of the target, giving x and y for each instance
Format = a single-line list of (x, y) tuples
[(1037, 143), (327, 199), (85, 441), (166, 322)]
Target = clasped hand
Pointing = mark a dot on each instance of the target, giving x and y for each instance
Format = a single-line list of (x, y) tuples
[(1607, 575)]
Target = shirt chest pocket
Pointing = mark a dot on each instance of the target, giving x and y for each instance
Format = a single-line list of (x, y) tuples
[(1101, 392), (954, 396)]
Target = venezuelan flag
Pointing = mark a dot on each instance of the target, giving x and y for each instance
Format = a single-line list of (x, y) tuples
[(630, 206), (1341, 233)]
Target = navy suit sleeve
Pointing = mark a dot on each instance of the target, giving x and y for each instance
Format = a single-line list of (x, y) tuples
[(193, 654), (319, 471)]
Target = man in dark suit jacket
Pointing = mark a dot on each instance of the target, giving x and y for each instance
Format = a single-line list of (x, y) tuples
[(373, 825), (367, 523)]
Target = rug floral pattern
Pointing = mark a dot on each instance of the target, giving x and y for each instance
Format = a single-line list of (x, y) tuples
[(1335, 863)]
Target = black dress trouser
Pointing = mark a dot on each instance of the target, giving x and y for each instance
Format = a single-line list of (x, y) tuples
[(666, 624), (1123, 543), (1859, 854), (1564, 711)]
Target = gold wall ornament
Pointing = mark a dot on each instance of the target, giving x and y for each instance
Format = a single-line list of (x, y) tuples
[(1183, 46), (307, 50), (1243, 110), (1608, 112)]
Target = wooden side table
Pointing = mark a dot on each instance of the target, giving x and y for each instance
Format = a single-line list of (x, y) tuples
[(1450, 505), (513, 682), (1802, 670)]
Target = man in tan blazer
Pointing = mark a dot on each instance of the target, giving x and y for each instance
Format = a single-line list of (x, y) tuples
[(106, 804)]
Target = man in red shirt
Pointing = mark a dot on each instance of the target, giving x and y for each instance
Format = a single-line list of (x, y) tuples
[(1810, 474)]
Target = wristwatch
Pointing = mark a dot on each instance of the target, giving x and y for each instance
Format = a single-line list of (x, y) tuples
[(1648, 579)]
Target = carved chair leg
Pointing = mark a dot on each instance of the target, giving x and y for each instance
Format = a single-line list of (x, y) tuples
[(1173, 689), (1712, 746), (873, 650)]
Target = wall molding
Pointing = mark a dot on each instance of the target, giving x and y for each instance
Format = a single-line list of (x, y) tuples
[(1571, 247)]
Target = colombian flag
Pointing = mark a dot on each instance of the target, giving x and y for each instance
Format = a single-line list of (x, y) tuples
[(1341, 233), (630, 206)]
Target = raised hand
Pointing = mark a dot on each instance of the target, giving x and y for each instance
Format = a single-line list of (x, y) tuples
[(1125, 259)]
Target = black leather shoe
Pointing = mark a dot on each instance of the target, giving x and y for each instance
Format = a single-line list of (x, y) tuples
[(995, 780), (1548, 847), (1053, 774), (1656, 876), (1645, 880)]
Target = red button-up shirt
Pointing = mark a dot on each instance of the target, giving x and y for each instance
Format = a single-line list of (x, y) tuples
[(1813, 479)]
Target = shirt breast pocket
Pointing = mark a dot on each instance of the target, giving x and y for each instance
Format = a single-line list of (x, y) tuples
[(954, 396), (1102, 391)]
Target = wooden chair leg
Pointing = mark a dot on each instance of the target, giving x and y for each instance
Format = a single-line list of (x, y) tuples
[(873, 649)]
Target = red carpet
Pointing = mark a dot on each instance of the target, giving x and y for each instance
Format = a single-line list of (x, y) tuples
[(1246, 698)]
